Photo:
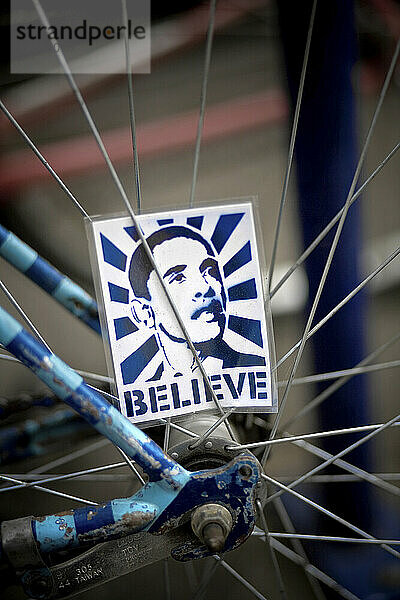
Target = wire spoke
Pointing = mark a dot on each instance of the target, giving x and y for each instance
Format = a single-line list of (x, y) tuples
[(239, 577), (325, 538), (26, 318), (112, 397), (358, 370), (128, 206), (306, 436), (167, 434), (346, 299), (106, 395), (327, 512), (333, 248), (292, 143), (131, 465), (342, 373), (23, 314), (297, 547), (343, 452), (180, 428), (357, 472), (89, 477), (43, 160), (205, 582), (277, 570), (331, 223), (95, 376), (329, 391), (301, 380), (211, 429), (203, 96), (67, 71), (308, 332), (48, 491), (62, 477), (132, 118), (167, 580), (85, 374), (163, 421), (166, 422), (345, 478), (70, 457), (360, 474), (313, 570)]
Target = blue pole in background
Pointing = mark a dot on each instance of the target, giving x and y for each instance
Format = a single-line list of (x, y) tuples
[(326, 155)]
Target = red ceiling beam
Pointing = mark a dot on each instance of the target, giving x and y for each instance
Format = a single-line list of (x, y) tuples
[(41, 99), (81, 155)]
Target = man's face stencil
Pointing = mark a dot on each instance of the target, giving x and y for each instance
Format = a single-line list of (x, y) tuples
[(194, 282)]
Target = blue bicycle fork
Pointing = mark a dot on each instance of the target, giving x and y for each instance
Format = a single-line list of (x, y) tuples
[(60, 287), (167, 501)]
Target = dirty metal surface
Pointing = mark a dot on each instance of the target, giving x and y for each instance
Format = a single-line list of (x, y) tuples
[(105, 562), (158, 509), (233, 486), (19, 544), (163, 504)]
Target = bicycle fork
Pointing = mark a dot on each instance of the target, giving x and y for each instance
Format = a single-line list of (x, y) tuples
[(186, 512)]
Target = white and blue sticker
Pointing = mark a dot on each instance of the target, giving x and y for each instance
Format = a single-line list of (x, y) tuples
[(209, 261)]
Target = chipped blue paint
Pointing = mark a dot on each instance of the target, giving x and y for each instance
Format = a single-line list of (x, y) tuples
[(70, 529), (65, 291), (172, 492), (53, 370), (157, 508), (77, 301), (224, 486), (15, 251), (55, 532), (70, 387), (82, 526), (127, 506)]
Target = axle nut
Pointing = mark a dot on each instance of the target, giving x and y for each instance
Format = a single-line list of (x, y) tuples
[(212, 524)]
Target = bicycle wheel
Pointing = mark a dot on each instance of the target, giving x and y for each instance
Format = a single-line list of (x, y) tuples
[(227, 168)]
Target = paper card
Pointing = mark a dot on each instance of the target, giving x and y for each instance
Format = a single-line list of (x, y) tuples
[(209, 261)]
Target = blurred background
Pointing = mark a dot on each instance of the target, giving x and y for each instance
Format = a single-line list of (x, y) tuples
[(257, 55)]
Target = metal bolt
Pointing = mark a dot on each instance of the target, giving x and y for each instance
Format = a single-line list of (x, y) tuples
[(174, 455), (213, 537), (212, 523), (245, 471), (208, 445)]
